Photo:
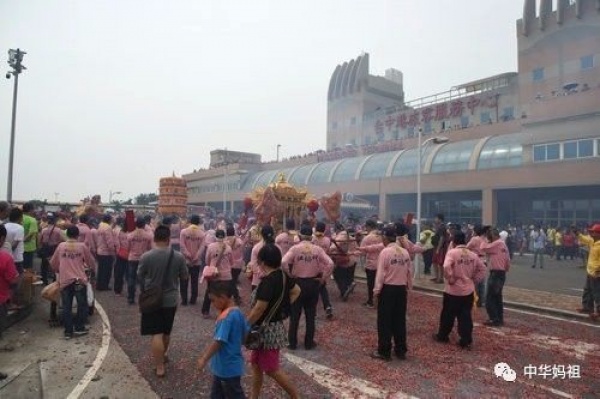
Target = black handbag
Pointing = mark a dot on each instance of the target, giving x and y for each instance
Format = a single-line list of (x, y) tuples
[(150, 299), (255, 337)]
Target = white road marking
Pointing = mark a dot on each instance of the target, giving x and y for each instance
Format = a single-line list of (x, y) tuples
[(534, 385), (343, 385), (102, 352), (576, 289), (568, 347)]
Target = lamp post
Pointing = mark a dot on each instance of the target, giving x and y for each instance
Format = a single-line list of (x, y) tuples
[(226, 161), (111, 194), (15, 57), (420, 147), (278, 147)]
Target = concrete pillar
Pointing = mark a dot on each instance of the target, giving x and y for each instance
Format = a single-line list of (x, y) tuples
[(528, 16), (383, 213), (489, 206), (545, 12)]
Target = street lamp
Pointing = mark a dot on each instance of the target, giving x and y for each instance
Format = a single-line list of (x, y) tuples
[(111, 194), (226, 160), (278, 147), (420, 147), (15, 57)]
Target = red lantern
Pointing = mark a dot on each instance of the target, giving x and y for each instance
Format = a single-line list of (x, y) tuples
[(248, 204), (313, 205)]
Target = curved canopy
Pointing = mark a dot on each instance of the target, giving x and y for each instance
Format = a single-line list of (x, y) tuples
[(454, 157), (501, 152)]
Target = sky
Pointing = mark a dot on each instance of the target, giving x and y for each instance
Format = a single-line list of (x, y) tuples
[(120, 93)]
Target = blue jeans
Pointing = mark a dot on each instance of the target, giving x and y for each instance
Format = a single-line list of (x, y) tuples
[(132, 267), (494, 303), (227, 388), (105, 268), (28, 259), (120, 270), (538, 253), (79, 292)]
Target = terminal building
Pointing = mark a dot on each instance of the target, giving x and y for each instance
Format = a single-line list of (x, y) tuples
[(524, 146)]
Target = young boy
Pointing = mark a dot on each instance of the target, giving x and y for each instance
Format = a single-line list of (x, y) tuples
[(225, 352)]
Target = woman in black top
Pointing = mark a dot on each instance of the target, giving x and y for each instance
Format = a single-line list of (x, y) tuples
[(267, 296)]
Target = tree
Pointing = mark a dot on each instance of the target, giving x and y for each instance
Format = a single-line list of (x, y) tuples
[(146, 199)]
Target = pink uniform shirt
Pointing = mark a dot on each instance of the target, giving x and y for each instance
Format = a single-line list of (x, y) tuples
[(286, 240), (394, 267), (462, 269), (138, 242), (213, 253), (475, 244), (322, 241), (499, 259), (70, 261), (237, 250), (307, 260), (85, 236), (175, 233), (51, 235), (372, 245), (257, 273), (410, 246), (106, 244), (191, 241)]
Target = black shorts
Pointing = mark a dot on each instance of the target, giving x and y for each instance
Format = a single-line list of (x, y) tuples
[(158, 322)]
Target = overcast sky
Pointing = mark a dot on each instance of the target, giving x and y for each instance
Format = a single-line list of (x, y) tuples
[(120, 93)]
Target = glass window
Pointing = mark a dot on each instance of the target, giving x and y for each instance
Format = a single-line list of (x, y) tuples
[(266, 178), (406, 165), (587, 62), (570, 150), (464, 122), (298, 177), (321, 173), (539, 153), (552, 152), (501, 151), (453, 157), (485, 117), (376, 166), (411, 131), (427, 128), (538, 74), (586, 148), (347, 169), (508, 113)]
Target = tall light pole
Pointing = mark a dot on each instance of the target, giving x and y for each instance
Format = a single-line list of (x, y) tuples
[(111, 194), (420, 147), (15, 57), (225, 183), (278, 147)]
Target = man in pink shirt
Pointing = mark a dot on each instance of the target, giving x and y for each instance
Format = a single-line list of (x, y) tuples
[(474, 245), (70, 261), (321, 240), (138, 243), (49, 239), (191, 242), (499, 264), (392, 281), (106, 249), (219, 255), (287, 239), (237, 251), (85, 233), (8, 277), (368, 245), (311, 267), (462, 270)]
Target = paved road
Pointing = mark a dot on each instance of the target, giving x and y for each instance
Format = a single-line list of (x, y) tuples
[(341, 366)]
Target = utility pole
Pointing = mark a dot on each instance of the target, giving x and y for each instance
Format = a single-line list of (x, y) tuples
[(15, 57)]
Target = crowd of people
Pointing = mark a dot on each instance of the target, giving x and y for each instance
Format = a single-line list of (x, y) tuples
[(289, 270)]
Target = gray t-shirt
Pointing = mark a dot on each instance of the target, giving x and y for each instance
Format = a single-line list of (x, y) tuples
[(150, 273)]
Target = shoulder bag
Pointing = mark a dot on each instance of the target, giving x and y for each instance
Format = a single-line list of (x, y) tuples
[(255, 339), (46, 250), (210, 272), (150, 299)]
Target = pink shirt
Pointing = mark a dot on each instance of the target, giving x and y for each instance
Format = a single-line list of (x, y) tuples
[(8, 275), (322, 241), (70, 261), (394, 267), (369, 244), (499, 259), (213, 253), (307, 260), (175, 233), (462, 269), (191, 241), (286, 240), (138, 242), (51, 239), (475, 244), (85, 236), (411, 247), (257, 273), (237, 250), (121, 237), (106, 244)]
